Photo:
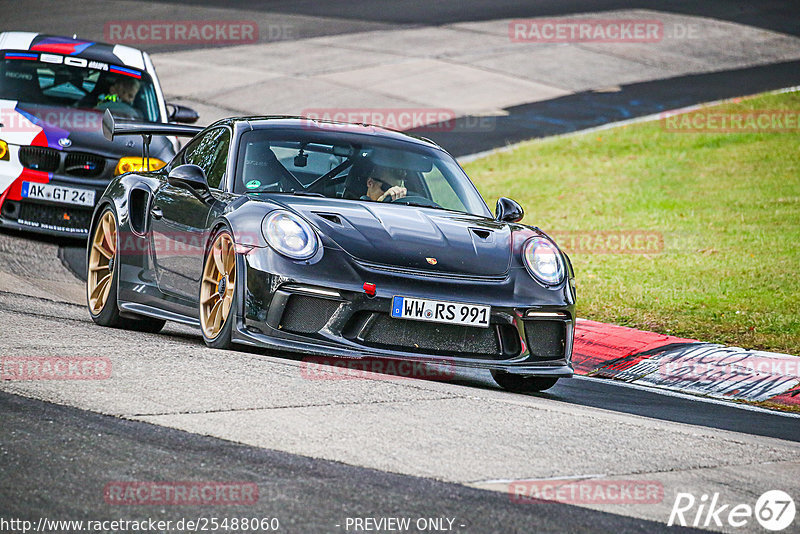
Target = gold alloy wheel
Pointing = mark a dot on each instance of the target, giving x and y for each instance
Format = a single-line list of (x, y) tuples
[(101, 262), (216, 289)]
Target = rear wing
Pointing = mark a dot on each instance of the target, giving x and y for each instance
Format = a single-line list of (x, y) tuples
[(113, 127)]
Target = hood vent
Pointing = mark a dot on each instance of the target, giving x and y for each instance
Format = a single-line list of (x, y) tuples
[(330, 217), (483, 234)]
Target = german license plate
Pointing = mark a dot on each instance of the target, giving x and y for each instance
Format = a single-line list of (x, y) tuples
[(57, 193), (438, 311)]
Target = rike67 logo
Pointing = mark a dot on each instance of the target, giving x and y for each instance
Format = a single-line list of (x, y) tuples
[(774, 511)]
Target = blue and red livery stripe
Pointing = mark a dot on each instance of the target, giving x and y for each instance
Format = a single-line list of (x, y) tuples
[(123, 70), (21, 55)]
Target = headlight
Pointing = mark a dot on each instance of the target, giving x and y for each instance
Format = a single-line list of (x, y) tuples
[(136, 164), (290, 235), (543, 261), (3, 151)]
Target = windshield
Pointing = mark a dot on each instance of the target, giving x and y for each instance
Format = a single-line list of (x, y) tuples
[(74, 82), (354, 167)]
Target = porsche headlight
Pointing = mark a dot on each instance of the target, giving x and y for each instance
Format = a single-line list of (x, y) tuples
[(543, 261), (136, 164), (3, 150), (289, 235)]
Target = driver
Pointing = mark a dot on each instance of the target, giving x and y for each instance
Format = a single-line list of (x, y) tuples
[(120, 97), (385, 182)]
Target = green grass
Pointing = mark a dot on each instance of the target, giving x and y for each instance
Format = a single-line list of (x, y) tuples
[(727, 205)]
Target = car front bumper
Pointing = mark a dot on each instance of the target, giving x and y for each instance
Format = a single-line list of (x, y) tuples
[(323, 310)]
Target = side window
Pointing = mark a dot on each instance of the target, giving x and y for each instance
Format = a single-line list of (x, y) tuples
[(210, 153)]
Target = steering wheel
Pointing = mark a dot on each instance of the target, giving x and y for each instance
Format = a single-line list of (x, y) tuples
[(413, 199)]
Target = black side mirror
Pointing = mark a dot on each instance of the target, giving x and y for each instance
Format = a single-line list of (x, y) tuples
[(182, 114), (193, 178), (508, 210)]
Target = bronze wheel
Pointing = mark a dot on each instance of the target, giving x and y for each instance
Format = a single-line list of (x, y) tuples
[(218, 285), (100, 274)]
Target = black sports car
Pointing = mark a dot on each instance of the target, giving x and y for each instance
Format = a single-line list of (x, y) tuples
[(330, 239)]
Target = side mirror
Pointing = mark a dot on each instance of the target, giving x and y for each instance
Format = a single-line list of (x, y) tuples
[(182, 114), (193, 178), (508, 210)]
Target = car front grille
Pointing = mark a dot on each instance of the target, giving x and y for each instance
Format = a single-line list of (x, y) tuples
[(85, 165), (39, 158), (45, 159), (54, 217), (307, 315), (432, 338), (546, 339)]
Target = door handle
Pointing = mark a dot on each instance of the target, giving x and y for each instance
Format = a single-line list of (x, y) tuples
[(156, 213)]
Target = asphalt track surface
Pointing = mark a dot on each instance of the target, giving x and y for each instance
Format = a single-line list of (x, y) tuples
[(59, 459), (56, 459)]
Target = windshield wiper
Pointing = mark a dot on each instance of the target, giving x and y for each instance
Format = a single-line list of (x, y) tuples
[(295, 193)]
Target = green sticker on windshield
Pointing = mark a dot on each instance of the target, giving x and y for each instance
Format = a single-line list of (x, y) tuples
[(252, 184)]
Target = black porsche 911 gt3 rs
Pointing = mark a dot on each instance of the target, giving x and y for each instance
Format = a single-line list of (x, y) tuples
[(330, 239)]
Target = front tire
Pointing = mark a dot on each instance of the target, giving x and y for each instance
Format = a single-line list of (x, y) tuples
[(218, 291), (523, 384), (102, 274)]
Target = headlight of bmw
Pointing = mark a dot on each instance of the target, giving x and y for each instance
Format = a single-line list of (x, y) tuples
[(136, 164), (543, 260), (3, 150), (289, 235)]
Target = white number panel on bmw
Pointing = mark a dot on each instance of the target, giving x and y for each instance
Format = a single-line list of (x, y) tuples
[(438, 311), (54, 193)]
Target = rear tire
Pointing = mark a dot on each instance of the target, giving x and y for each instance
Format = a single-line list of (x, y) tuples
[(101, 279), (523, 384)]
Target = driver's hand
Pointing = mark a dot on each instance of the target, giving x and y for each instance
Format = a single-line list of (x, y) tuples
[(394, 192)]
